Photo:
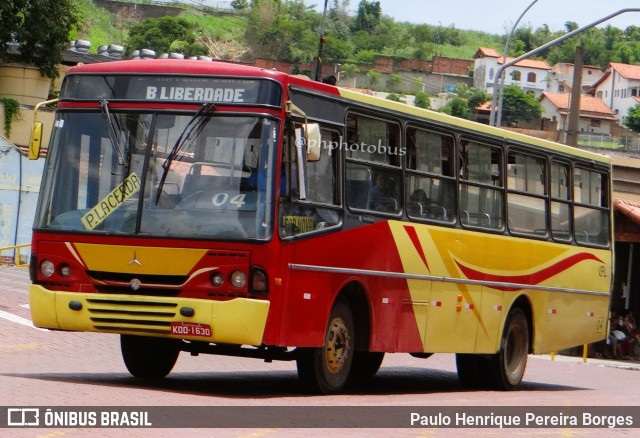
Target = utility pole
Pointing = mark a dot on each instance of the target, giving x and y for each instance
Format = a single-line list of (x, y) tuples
[(574, 106), (321, 46)]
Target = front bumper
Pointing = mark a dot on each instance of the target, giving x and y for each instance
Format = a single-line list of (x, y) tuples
[(238, 321)]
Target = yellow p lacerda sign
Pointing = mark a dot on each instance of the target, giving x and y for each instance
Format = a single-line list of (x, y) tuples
[(111, 202)]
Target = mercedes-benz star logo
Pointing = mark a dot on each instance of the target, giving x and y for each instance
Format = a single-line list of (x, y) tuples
[(134, 260)]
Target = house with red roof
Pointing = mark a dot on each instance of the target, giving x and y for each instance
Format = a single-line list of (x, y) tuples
[(531, 75), (619, 88), (563, 73), (595, 116)]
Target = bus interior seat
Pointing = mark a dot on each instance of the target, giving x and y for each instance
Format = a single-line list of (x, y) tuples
[(357, 193), (437, 212), (415, 209), (384, 205), (197, 183)]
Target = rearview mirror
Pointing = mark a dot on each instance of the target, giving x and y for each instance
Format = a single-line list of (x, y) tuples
[(36, 141), (314, 140)]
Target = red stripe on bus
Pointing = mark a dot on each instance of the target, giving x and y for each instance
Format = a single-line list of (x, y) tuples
[(533, 278)]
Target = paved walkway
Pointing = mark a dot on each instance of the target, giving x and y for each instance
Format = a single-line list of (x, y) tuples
[(610, 363)]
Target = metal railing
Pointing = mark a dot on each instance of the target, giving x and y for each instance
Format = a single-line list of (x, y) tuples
[(19, 258)]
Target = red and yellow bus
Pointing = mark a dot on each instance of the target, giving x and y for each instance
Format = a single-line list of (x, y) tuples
[(209, 207)]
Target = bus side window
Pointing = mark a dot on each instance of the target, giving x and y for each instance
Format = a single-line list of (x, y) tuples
[(591, 204), (320, 209), (481, 191), (560, 201), (430, 182), (373, 165)]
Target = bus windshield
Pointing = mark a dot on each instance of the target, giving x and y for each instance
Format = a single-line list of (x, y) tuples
[(150, 173)]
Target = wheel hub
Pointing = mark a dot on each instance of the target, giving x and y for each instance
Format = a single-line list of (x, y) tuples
[(337, 345)]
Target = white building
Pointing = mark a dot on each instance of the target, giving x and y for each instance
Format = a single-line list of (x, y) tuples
[(595, 116), (619, 88), (529, 74), (562, 77)]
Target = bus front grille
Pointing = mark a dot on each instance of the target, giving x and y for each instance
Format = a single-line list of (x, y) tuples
[(131, 315)]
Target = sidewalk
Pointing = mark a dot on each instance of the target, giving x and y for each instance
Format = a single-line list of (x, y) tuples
[(609, 363)]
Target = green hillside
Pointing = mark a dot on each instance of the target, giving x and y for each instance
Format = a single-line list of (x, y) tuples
[(288, 30)]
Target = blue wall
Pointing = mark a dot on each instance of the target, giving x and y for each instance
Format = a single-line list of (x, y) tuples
[(19, 186)]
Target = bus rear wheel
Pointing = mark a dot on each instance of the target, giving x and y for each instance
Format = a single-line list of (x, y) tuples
[(508, 365), (147, 357), (326, 369)]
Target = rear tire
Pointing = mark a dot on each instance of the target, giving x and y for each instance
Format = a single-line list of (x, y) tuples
[(507, 367), (148, 357), (325, 369)]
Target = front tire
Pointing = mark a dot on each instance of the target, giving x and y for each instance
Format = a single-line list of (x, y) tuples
[(148, 357), (325, 369)]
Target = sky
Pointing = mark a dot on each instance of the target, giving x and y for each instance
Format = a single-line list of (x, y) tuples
[(499, 16)]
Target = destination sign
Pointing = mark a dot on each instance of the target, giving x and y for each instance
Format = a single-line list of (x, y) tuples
[(198, 94), (172, 88)]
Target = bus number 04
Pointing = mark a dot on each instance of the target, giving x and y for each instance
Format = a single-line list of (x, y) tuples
[(222, 198)]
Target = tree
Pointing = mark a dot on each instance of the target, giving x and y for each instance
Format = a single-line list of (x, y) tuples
[(476, 97), (422, 100), (466, 100), (393, 96), (458, 107), (349, 70), (368, 16), (632, 120), (518, 106), (374, 77), (240, 5), (165, 34), (394, 80), (283, 31), (40, 28)]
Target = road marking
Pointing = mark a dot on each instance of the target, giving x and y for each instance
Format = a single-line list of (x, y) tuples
[(14, 318), (18, 347)]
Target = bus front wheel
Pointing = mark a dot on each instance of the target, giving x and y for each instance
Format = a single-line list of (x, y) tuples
[(508, 365), (326, 369), (148, 357)]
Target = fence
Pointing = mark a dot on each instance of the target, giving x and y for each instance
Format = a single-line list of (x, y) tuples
[(631, 144), (18, 258)]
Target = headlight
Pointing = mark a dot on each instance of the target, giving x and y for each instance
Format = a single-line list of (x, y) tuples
[(65, 270), (47, 268), (238, 279), (217, 279)]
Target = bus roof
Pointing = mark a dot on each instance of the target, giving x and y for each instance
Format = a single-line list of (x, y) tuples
[(198, 67), (203, 67)]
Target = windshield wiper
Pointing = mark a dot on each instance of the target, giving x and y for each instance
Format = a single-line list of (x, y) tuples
[(104, 107), (195, 126)]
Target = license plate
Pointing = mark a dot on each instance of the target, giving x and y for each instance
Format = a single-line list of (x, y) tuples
[(190, 329)]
